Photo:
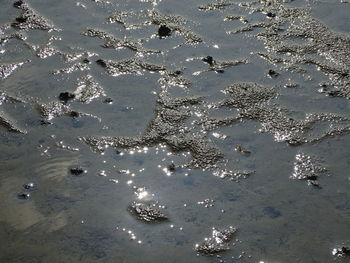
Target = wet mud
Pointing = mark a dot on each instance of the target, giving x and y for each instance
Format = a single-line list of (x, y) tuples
[(129, 129), (218, 242)]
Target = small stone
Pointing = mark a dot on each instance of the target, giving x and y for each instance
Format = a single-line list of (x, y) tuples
[(312, 177), (74, 114), (171, 167), (272, 73), (18, 4), (164, 31), (77, 171), (21, 19), (66, 96), (209, 60), (23, 195), (108, 100), (270, 15), (86, 61), (101, 62)]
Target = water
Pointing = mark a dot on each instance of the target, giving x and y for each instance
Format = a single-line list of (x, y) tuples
[(207, 156)]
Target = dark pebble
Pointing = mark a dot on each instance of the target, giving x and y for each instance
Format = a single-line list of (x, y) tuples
[(77, 171), (270, 15), (21, 19), (23, 195), (209, 60), (272, 73), (101, 62), (74, 114), (66, 96), (219, 71), (18, 4), (345, 250), (29, 186), (108, 100), (164, 31), (118, 152), (171, 167), (312, 177), (86, 61)]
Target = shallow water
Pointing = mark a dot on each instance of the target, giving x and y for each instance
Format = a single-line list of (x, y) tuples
[(204, 145)]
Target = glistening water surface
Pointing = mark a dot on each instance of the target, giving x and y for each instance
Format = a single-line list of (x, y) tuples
[(174, 131)]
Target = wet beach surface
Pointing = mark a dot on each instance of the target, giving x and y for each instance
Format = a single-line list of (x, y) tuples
[(174, 131)]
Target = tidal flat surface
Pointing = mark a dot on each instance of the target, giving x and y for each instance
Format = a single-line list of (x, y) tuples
[(174, 131)]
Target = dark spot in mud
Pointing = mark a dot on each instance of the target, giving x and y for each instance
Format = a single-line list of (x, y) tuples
[(108, 100), (86, 61), (171, 167), (18, 4), (164, 31), (23, 196), (21, 19), (29, 186), (209, 60), (77, 171), (74, 114), (312, 177), (66, 96), (45, 122), (343, 251), (118, 152), (270, 15), (101, 62), (272, 212), (218, 242), (151, 212), (272, 74)]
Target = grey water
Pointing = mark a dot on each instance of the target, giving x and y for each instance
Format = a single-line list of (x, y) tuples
[(270, 157)]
